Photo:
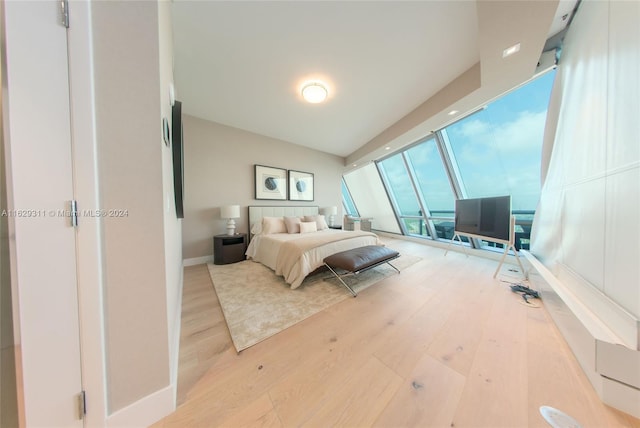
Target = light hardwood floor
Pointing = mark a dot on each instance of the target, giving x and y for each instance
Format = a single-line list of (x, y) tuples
[(442, 344)]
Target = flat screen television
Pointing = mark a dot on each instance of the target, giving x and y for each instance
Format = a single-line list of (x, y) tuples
[(484, 217)]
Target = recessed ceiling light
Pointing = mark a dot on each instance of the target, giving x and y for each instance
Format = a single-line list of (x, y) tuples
[(511, 50), (355, 164), (387, 148), (452, 112), (314, 92)]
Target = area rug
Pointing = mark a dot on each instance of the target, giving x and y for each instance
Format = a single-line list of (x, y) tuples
[(257, 303)]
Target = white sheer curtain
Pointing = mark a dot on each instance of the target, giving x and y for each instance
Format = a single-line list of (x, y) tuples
[(587, 224)]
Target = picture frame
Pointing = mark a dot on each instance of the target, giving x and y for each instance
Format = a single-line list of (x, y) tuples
[(270, 183), (300, 186)]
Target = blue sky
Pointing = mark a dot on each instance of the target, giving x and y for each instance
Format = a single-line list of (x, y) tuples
[(497, 150)]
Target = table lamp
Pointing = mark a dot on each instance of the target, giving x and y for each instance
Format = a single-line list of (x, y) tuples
[(332, 211), (230, 212)]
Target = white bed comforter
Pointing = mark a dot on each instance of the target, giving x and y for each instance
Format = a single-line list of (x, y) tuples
[(266, 249)]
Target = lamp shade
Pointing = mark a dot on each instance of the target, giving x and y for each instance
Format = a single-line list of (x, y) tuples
[(230, 211), (333, 210)]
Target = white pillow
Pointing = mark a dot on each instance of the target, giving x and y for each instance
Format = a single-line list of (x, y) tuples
[(256, 229), (273, 225), (308, 226), (319, 219), (292, 224)]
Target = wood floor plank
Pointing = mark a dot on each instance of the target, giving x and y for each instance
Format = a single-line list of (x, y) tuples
[(554, 380), (370, 349), (299, 395), (495, 393), (203, 331), (456, 344), (258, 368), (401, 351), (258, 414), (428, 397), (358, 402)]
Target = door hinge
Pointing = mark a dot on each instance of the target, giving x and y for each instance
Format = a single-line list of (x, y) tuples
[(73, 212), (64, 13), (82, 404)]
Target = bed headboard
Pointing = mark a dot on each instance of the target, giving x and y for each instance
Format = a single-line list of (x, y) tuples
[(257, 212)]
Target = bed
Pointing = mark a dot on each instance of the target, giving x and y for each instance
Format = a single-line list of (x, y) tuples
[(295, 255)]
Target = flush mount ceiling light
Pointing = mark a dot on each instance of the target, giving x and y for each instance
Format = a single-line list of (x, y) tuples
[(314, 92), (511, 50)]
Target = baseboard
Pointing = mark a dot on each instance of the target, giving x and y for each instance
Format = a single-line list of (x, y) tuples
[(621, 396), (623, 323), (198, 260), (175, 348), (145, 411), (610, 366)]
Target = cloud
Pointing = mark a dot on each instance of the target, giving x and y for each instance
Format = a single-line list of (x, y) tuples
[(501, 158), (481, 140)]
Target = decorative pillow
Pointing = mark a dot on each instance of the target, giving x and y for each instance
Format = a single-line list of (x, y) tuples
[(292, 224), (308, 226), (273, 225), (256, 229), (319, 219)]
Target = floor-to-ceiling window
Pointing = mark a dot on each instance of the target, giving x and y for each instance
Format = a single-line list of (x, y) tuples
[(347, 201), (370, 198), (495, 151), (402, 193)]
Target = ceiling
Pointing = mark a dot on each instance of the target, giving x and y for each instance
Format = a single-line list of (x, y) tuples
[(242, 63)]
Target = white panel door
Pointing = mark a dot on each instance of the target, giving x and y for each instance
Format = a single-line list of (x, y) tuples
[(36, 122)]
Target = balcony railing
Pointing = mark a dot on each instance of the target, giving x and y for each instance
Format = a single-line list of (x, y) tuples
[(443, 222)]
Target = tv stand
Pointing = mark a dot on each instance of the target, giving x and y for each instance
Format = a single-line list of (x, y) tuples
[(508, 245)]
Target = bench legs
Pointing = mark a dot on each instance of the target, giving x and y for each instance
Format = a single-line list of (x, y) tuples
[(397, 270), (355, 273), (340, 279)]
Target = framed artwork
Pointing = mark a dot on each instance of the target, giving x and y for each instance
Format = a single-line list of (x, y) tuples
[(271, 183), (300, 186)]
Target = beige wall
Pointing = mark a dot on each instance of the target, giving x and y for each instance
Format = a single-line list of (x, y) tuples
[(130, 163), (219, 170), (172, 225)]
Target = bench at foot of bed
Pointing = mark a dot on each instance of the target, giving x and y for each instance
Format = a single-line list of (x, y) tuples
[(358, 260)]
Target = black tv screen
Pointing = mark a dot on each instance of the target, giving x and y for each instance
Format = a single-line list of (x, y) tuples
[(485, 217)]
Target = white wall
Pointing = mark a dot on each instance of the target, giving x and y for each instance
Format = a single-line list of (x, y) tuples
[(363, 183), (8, 387), (219, 170), (586, 230), (587, 226), (172, 225)]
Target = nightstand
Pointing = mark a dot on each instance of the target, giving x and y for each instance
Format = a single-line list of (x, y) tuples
[(229, 248)]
